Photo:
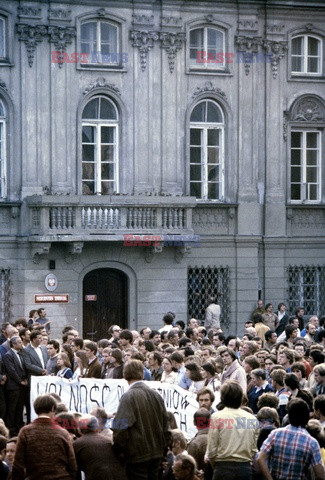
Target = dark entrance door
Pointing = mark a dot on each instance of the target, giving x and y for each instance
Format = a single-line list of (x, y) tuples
[(105, 302)]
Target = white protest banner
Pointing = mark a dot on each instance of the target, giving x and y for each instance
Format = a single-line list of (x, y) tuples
[(87, 393)]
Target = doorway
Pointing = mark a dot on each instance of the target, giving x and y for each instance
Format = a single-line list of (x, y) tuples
[(105, 302)]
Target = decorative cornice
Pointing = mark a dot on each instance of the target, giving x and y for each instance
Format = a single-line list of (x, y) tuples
[(248, 46), (172, 42), (31, 35), (208, 87), (59, 15), (34, 13), (274, 28), (144, 41), (276, 50), (102, 83), (61, 37)]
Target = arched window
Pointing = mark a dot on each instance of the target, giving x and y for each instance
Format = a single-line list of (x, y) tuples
[(100, 121), (306, 55), (3, 165), (207, 48), (207, 151), (100, 40)]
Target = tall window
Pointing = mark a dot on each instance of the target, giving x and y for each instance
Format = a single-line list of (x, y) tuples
[(100, 40), (306, 287), (2, 38), (2, 150), (305, 165), (207, 47), (100, 147), (306, 55), (207, 151)]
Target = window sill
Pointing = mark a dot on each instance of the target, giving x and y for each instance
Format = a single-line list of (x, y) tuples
[(197, 71), (101, 68)]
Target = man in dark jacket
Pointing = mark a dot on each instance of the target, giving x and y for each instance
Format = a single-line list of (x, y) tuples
[(140, 426)]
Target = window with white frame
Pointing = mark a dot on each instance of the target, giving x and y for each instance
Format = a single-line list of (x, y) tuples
[(100, 40), (305, 165), (100, 121), (207, 151), (207, 48), (2, 150), (306, 287), (306, 55)]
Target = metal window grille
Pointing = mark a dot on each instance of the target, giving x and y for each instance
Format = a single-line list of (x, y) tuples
[(5, 295), (306, 287), (204, 282)]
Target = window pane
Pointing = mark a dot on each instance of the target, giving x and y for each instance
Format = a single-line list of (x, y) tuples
[(108, 36), (108, 134), (91, 110), (295, 174), (311, 175), (195, 172), (198, 114), (107, 153), (296, 139), (195, 190), (311, 157), (195, 155), (312, 192), (2, 110), (88, 153), (88, 134), (88, 170), (107, 171), (215, 39), (297, 46), (213, 191), (296, 64), (213, 173), (213, 137), (295, 192), (195, 135), (214, 113), (88, 37), (313, 46), (312, 65), (107, 110), (312, 139), (2, 38), (107, 188), (213, 155), (88, 188), (196, 38), (295, 157)]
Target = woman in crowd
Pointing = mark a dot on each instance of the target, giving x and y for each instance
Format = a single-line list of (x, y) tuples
[(319, 375), (168, 375), (64, 364), (250, 363), (209, 375), (299, 369), (81, 362), (192, 371)]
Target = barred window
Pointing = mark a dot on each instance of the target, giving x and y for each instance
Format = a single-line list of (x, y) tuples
[(204, 282), (5, 295), (306, 287)]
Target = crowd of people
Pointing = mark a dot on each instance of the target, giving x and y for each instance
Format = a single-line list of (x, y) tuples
[(260, 396)]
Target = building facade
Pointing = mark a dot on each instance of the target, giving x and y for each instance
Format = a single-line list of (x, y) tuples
[(202, 121)]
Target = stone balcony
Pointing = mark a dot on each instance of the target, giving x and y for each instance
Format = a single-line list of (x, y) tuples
[(84, 218)]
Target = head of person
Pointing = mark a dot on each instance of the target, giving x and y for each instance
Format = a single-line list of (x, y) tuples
[(208, 370), (257, 318), (291, 331), (278, 376), (53, 348), (311, 329), (33, 314), (41, 312), (319, 373), (133, 371), (184, 467), (126, 337), (114, 331), (201, 418), (298, 412), (205, 398), (81, 359), (268, 417), (231, 394), (168, 319), (250, 363), (11, 450), (90, 349), (102, 417), (177, 359), (116, 356), (3, 444), (299, 369), (270, 361), (155, 359), (269, 307), (260, 304), (316, 357), (228, 356), (167, 365), (179, 442), (193, 371), (291, 382), (268, 399), (319, 406), (286, 357), (45, 405), (77, 344), (35, 338), (63, 360), (258, 377), (270, 337), (16, 343), (300, 312), (101, 344), (282, 307), (145, 332)]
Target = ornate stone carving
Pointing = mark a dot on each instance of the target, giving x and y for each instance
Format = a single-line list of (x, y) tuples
[(143, 20), (144, 41), (285, 131), (169, 21), (180, 252), (171, 42), (309, 27), (74, 248), (102, 83), (39, 250), (209, 18), (248, 46), (29, 12), (59, 14), (307, 109), (247, 24), (307, 221), (274, 28), (208, 87), (31, 35), (150, 252), (277, 51), (61, 37), (101, 12)]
